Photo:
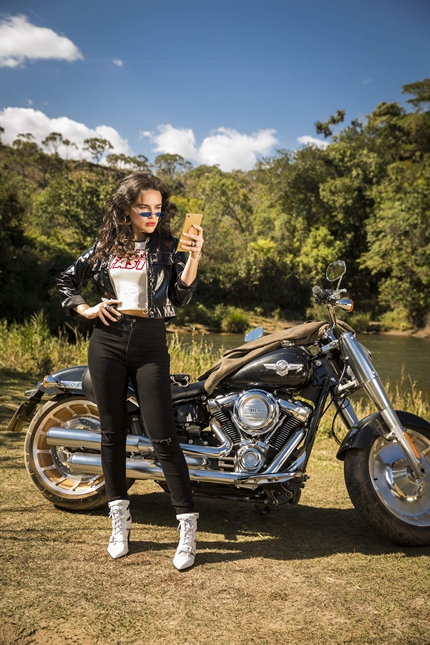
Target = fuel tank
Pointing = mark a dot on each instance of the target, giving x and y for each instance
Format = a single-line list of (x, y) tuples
[(288, 367)]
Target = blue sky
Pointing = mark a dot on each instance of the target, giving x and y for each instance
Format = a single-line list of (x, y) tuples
[(219, 82)]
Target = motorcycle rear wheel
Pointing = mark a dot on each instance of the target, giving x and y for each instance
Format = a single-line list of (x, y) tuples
[(47, 465), (383, 490)]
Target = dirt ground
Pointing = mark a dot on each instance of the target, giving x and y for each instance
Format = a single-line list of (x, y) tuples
[(307, 575)]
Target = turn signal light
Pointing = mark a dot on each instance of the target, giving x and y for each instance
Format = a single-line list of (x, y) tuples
[(49, 381)]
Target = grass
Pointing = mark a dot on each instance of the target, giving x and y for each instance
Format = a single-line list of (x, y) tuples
[(32, 349), (312, 574)]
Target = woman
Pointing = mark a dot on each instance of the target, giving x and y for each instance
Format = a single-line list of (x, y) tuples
[(140, 277)]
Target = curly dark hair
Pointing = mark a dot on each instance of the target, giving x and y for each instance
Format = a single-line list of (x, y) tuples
[(115, 234)]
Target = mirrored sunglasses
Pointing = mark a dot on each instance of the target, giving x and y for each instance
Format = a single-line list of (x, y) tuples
[(148, 213)]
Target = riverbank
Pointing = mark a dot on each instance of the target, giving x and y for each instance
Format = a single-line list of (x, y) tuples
[(272, 324)]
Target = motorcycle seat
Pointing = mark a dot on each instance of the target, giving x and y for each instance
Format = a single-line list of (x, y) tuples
[(178, 392), (189, 391)]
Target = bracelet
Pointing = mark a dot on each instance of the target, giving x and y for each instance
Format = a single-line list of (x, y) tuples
[(197, 258)]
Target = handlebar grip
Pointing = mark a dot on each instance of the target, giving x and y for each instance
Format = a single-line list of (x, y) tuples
[(318, 293), (321, 296)]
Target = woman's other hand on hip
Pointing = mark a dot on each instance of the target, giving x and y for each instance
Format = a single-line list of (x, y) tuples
[(104, 310)]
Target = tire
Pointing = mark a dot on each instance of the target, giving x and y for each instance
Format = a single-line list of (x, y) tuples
[(381, 488), (47, 465)]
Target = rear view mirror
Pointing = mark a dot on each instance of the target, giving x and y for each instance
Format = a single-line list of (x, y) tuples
[(254, 334), (335, 270)]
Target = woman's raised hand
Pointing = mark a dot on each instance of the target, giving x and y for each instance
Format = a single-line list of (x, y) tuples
[(194, 242)]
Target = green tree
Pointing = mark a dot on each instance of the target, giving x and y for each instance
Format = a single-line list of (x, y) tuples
[(126, 162), (69, 146), (224, 200), (53, 141), (48, 165), (172, 168), (118, 160), (420, 92), (327, 127), (170, 165), (77, 202), (26, 149), (399, 239), (12, 238), (97, 147), (28, 269)]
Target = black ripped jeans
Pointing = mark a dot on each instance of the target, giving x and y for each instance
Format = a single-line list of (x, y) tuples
[(135, 349)]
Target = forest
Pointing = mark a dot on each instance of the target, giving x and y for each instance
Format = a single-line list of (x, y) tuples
[(270, 232)]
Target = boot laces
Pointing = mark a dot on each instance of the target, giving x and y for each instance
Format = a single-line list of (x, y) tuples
[(118, 523), (186, 527)]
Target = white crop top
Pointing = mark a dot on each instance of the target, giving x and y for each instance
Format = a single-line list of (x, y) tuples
[(129, 278)]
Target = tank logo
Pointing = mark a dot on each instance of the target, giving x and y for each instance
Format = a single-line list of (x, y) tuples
[(282, 368)]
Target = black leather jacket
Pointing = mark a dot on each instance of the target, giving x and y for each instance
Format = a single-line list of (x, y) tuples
[(165, 287)]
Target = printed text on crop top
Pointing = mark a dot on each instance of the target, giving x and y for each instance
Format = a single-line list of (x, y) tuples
[(129, 278)]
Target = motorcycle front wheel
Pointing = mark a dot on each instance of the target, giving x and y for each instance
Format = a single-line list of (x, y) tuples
[(383, 489), (47, 465)]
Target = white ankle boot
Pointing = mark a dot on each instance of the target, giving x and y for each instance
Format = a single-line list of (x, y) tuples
[(186, 551), (119, 511)]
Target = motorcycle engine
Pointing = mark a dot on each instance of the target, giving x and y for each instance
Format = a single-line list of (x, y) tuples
[(255, 412), (258, 424)]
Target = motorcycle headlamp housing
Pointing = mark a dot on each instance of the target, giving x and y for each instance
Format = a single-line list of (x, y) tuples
[(346, 304)]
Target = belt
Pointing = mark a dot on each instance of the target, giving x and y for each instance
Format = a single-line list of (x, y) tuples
[(134, 313)]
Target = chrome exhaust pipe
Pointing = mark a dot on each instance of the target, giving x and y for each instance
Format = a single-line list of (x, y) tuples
[(195, 457), (148, 469), (77, 438)]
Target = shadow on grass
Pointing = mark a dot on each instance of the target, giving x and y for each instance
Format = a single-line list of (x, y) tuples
[(285, 533), (228, 532)]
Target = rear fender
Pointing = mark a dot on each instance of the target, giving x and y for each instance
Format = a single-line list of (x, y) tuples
[(66, 381), (361, 436)]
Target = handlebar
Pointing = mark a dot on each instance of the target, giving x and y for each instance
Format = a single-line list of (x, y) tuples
[(320, 296), (326, 296)]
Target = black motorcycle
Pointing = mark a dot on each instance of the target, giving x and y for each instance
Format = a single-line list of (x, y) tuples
[(247, 428)]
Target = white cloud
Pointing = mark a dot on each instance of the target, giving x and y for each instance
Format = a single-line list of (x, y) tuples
[(118, 62), (179, 141), (231, 149), (21, 40), (21, 120), (226, 147), (307, 140)]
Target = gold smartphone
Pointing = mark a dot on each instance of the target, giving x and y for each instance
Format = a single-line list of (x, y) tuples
[(189, 221)]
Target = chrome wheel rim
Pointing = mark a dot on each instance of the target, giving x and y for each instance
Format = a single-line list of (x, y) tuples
[(404, 496), (51, 461)]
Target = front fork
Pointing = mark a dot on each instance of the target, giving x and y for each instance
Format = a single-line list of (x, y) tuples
[(368, 378)]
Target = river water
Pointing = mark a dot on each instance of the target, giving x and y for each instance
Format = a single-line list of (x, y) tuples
[(392, 356)]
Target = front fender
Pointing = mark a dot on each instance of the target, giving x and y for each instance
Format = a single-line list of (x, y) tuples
[(361, 436)]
